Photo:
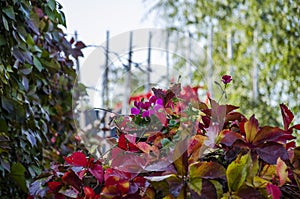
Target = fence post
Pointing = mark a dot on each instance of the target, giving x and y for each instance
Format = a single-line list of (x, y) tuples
[(255, 68), (127, 89), (148, 72), (167, 59), (210, 60), (81, 113)]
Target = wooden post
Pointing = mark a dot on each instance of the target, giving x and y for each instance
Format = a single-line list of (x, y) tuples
[(127, 88), (105, 97), (148, 72), (190, 73), (230, 51), (210, 60), (255, 68), (81, 112), (167, 60)]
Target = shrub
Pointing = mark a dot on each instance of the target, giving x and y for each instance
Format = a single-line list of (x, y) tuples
[(175, 146)]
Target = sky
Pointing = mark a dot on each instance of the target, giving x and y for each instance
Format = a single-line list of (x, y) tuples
[(92, 18)]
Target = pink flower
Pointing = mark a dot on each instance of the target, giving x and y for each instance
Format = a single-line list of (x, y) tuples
[(226, 79)]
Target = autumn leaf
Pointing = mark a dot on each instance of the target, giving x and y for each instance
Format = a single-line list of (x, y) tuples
[(281, 170), (251, 128), (77, 159)]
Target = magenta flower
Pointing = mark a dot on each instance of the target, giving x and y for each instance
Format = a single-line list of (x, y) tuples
[(226, 79), (135, 111)]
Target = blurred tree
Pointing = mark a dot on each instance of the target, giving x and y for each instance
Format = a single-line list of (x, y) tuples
[(36, 81), (255, 41)]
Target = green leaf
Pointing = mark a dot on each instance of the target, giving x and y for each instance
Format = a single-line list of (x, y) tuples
[(218, 187), (9, 11), (237, 172), (5, 23), (52, 4), (37, 64), (2, 40), (7, 104), (196, 185), (18, 174)]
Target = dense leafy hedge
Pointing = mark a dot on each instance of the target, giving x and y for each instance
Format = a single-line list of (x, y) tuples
[(36, 79), (175, 146)]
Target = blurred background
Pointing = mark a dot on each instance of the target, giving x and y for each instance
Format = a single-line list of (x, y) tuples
[(256, 42)]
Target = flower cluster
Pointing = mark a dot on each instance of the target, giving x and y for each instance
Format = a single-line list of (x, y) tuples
[(147, 108)]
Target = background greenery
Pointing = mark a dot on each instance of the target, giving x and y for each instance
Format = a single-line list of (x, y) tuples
[(264, 35), (36, 81)]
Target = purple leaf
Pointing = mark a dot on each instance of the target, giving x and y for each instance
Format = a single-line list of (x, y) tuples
[(271, 151), (97, 172), (267, 134)]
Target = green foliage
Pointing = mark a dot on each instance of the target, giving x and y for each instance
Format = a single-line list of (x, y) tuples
[(264, 34), (36, 80)]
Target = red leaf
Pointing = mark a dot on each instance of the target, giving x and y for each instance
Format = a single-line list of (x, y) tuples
[(251, 128), (162, 117), (70, 178), (234, 116), (131, 143), (54, 186), (271, 151), (122, 143), (274, 191), (267, 134), (140, 181), (287, 116), (290, 145), (208, 190), (143, 146), (110, 192), (76, 159), (230, 137), (114, 172), (72, 40), (246, 192), (80, 45), (230, 108), (297, 126), (195, 143), (123, 186), (97, 172), (89, 193), (111, 180)]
